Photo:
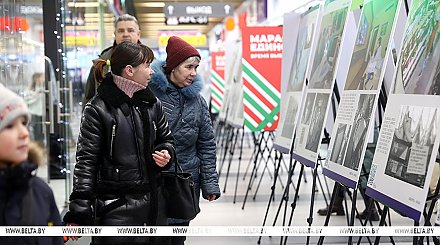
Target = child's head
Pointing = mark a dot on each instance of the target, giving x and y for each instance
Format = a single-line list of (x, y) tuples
[(14, 135)]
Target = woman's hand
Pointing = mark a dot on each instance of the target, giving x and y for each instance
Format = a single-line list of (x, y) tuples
[(161, 158), (212, 197)]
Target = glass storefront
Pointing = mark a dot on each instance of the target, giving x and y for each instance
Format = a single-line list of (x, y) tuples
[(46, 58)]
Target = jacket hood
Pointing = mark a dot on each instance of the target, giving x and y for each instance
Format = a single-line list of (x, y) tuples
[(160, 81), (35, 154)]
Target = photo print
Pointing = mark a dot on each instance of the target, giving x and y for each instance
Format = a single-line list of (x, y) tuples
[(412, 144), (359, 130), (371, 43), (327, 50), (418, 69), (340, 143), (308, 108), (302, 50), (317, 122), (289, 121)]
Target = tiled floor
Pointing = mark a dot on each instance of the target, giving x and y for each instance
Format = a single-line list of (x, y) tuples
[(224, 212)]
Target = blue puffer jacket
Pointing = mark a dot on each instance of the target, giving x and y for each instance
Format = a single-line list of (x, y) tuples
[(193, 132)]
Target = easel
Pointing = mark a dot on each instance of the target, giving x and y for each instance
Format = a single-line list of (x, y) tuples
[(285, 196), (224, 145), (315, 177), (264, 137), (381, 105), (234, 138), (272, 193)]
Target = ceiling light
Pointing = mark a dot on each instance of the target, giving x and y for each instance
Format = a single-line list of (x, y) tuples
[(151, 5), (83, 4)]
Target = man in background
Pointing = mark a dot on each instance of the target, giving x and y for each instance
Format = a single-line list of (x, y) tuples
[(126, 29)]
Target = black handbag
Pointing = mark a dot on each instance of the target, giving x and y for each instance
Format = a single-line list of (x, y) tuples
[(180, 197)]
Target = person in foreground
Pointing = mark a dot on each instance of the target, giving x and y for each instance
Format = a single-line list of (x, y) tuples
[(176, 83), (124, 144), (25, 200)]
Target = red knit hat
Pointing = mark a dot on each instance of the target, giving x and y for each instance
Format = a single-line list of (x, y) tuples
[(178, 51)]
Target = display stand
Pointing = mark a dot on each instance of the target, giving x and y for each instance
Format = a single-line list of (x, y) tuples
[(229, 131), (235, 133), (239, 164), (433, 199), (354, 211), (274, 176), (272, 193), (262, 147), (312, 200)]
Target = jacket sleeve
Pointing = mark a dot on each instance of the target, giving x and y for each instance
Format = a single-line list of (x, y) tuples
[(206, 152), (87, 158), (164, 138), (90, 87)]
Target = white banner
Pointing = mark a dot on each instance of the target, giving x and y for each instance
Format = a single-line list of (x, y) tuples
[(313, 231)]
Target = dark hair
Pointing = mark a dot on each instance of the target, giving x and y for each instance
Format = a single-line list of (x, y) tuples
[(125, 53)]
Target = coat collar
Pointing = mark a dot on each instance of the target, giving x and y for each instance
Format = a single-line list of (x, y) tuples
[(160, 81), (111, 94)]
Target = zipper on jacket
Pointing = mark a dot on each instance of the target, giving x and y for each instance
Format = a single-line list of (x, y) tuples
[(135, 140), (112, 140)]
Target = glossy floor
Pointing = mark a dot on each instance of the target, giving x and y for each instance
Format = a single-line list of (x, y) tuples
[(232, 210)]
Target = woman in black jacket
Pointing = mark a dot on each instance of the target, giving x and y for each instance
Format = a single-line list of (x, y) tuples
[(124, 144)]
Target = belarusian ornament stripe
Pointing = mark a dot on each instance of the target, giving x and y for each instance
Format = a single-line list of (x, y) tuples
[(217, 91), (261, 99)]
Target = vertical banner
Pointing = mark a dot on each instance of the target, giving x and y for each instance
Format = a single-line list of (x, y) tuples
[(299, 32), (355, 113), (235, 116), (261, 64), (410, 133), (321, 79), (217, 80)]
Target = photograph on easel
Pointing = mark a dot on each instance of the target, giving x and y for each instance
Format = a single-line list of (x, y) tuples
[(362, 85), (341, 142), (316, 122), (409, 136), (329, 42), (412, 144), (298, 31), (405, 153), (417, 70), (357, 140), (371, 45)]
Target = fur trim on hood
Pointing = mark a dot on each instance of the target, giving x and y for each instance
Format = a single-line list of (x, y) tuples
[(160, 81), (35, 154)]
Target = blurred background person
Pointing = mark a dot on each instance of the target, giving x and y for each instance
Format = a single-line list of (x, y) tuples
[(35, 101), (126, 29)]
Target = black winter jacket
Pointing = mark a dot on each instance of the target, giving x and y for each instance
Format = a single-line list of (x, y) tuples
[(118, 134), (26, 200)]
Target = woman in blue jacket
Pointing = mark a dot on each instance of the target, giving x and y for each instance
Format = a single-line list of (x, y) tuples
[(176, 83)]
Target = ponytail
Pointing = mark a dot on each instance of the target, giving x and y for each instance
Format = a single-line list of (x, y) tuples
[(100, 70)]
